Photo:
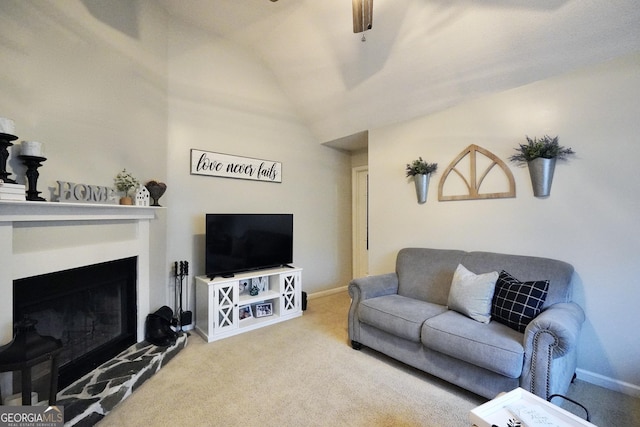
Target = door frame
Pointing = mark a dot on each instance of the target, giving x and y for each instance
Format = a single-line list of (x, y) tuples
[(359, 213)]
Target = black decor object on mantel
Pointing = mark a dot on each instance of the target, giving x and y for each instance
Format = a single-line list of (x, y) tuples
[(33, 163), (5, 143), (156, 190)]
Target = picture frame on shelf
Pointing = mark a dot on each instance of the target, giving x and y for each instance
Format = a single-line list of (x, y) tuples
[(245, 312), (263, 310), (261, 282), (244, 286)]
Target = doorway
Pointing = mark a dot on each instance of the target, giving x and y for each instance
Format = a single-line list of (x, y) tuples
[(360, 207)]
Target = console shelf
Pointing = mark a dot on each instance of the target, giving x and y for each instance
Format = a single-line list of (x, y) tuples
[(223, 304)]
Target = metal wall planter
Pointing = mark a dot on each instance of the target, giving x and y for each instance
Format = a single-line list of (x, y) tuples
[(422, 186), (541, 173)]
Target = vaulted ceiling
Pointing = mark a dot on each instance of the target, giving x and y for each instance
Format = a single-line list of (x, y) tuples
[(420, 57)]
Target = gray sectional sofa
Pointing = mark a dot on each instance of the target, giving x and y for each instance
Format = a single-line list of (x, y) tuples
[(405, 315)]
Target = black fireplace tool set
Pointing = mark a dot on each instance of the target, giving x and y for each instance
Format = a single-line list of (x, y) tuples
[(159, 325), (181, 269)]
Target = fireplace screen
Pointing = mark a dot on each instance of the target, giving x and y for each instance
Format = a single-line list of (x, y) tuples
[(92, 309)]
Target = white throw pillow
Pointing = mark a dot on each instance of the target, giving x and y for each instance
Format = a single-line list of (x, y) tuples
[(471, 294)]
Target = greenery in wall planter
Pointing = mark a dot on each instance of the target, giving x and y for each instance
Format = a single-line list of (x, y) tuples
[(540, 155), (545, 147), (125, 183), (420, 171)]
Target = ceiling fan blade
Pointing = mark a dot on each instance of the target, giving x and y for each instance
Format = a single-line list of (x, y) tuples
[(362, 11)]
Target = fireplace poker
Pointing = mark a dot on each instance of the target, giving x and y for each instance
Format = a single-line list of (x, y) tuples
[(184, 317)]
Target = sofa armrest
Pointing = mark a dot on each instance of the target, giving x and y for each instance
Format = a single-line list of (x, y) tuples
[(365, 288), (550, 343), (563, 322), (373, 286)]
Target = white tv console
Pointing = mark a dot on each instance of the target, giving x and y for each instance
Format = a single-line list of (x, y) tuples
[(225, 306)]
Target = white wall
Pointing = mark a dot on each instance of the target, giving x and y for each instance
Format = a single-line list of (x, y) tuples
[(222, 99), (590, 219), (359, 158), (90, 85), (90, 80)]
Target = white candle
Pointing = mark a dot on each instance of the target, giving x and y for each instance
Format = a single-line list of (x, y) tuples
[(7, 126), (31, 148)]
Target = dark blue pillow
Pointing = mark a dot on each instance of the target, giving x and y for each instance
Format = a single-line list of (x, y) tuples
[(516, 303)]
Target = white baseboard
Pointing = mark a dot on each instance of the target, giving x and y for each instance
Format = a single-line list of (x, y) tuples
[(327, 292), (608, 383)]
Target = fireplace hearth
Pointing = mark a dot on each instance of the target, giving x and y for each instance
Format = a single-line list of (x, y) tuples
[(91, 309), (93, 396)]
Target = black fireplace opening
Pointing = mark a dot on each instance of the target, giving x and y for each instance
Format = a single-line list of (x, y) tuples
[(91, 309)]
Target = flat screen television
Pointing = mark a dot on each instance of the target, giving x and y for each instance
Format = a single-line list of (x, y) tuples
[(245, 242)]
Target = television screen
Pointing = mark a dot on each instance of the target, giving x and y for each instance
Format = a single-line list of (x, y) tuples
[(243, 242)]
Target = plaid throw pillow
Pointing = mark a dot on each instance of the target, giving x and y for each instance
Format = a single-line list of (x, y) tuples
[(516, 303)]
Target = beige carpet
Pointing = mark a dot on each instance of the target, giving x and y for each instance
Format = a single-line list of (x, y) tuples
[(300, 373)]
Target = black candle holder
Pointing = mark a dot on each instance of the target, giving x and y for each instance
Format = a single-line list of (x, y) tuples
[(5, 143), (33, 163)]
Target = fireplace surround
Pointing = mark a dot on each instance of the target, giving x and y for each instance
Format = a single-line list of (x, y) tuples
[(38, 238)]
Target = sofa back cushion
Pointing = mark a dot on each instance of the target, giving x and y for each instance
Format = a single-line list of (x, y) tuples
[(426, 274), (526, 269)]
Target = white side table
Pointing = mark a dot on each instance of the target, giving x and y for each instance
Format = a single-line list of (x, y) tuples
[(521, 405)]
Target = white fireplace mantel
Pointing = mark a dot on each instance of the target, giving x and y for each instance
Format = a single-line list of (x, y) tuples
[(44, 237), (51, 211)]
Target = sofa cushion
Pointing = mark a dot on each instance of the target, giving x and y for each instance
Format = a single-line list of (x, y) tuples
[(471, 294), (398, 315), (491, 346), (426, 274), (516, 303), (527, 268)]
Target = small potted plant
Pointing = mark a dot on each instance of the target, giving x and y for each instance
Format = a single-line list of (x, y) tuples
[(125, 183), (541, 154), (420, 171)]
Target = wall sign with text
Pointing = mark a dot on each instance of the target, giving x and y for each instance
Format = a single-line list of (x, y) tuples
[(228, 166)]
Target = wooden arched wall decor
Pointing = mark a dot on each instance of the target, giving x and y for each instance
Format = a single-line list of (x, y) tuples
[(475, 178)]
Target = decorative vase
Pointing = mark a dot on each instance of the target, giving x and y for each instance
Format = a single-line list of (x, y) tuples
[(254, 290), (126, 200), (156, 190), (541, 173), (422, 186)]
